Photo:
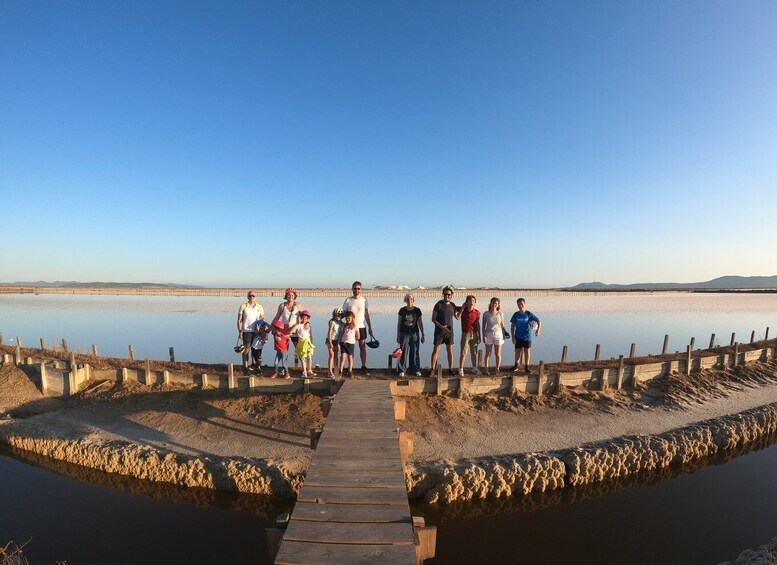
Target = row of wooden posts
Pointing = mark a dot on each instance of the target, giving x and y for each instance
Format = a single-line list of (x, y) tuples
[(564, 350), (632, 351)]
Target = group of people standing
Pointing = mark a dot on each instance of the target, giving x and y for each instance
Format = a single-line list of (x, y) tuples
[(410, 333), (351, 324)]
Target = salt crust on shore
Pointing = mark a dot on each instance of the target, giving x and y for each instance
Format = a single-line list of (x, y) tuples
[(223, 442)]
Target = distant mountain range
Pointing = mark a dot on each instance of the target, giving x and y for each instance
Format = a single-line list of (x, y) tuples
[(730, 281), (75, 284)]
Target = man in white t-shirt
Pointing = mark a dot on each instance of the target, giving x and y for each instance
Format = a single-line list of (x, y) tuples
[(361, 313), (250, 317)]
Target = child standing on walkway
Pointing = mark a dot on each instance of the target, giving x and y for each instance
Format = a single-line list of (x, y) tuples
[(280, 334), (333, 338), (347, 342), (305, 347)]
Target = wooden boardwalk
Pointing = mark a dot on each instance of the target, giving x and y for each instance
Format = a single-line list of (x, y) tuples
[(353, 506)]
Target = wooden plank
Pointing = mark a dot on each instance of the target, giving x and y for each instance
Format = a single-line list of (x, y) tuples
[(359, 465), (339, 440), (355, 451), (296, 552), (355, 479), (334, 495), (356, 533), (370, 513)]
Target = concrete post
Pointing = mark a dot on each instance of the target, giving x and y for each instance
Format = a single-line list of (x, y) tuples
[(733, 337), (44, 381), (598, 352), (564, 354), (131, 352), (693, 342), (619, 380), (736, 354), (166, 377), (205, 380), (712, 341), (18, 342), (124, 375), (231, 384), (94, 350), (666, 345), (42, 345), (172, 354), (540, 376), (633, 351), (766, 336), (64, 345), (147, 370), (688, 350), (752, 336)]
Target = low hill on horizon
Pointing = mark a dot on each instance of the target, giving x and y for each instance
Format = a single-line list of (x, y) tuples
[(76, 284), (728, 281)]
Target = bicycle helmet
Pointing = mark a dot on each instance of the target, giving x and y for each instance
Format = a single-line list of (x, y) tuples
[(337, 312), (289, 291)]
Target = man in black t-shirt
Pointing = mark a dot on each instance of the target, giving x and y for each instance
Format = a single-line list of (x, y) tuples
[(410, 331), (442, 318)]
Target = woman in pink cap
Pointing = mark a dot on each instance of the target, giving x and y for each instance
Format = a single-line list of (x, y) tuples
[(288, 313)]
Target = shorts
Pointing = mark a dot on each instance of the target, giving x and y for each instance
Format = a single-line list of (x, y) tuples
[(443, 337), (494, 339), (248, 337), (522, 343), (361, 334), (469, 341), (333, 345), (346, 348)]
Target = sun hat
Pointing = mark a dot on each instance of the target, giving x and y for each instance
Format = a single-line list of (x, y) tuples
[(278, 324)]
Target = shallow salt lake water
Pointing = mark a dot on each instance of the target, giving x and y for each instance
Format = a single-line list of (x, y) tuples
[(203, 329)]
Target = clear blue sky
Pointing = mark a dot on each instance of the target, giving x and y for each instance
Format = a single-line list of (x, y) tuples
[(515, 144)]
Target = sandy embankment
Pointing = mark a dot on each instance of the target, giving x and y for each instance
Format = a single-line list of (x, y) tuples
[(470, 448)]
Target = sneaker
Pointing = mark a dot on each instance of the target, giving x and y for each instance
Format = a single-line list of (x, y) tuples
[(258, 371), (311, 374), (477, 371), (363, 370), (331, 375), (418, 373), (516, 369), (287, 376), (274, 376), (245, 371), (487, 372), (401, 375), (461, 372)]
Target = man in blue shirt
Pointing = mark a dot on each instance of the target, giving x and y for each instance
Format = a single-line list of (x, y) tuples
[(523, 326)]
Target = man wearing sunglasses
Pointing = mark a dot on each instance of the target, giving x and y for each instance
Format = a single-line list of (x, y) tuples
[(249, 318), (358, 305)]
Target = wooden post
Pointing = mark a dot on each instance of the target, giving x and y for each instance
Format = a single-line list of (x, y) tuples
[(124, 374), (733, 337), (633, 351), (666, 345), (390, 362), (605, 379), (399, 410), (439, 379), (326, 405), (205, 380), (406, 446), (131, 352), (598, 352), (736, 354), (42, 345), (425, 538), (558, 382), (166, 377), (94, 349), (480, 358), (619, 380), (147, 370), (18, 356), (513, 385), (64, 345), (251, 383), (693, 342), (712, 341), (752, 336), (540, 375), (564, 354), (315, 435), (689, 350), (172, 354), (44, 381), (73, 366), (231, 384), (1, 338), (766, 337)]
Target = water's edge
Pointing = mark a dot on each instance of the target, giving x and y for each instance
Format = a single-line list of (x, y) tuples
[(435, 482)]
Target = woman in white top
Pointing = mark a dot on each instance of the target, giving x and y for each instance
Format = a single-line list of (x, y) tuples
[(288, 314), (493, 333)]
